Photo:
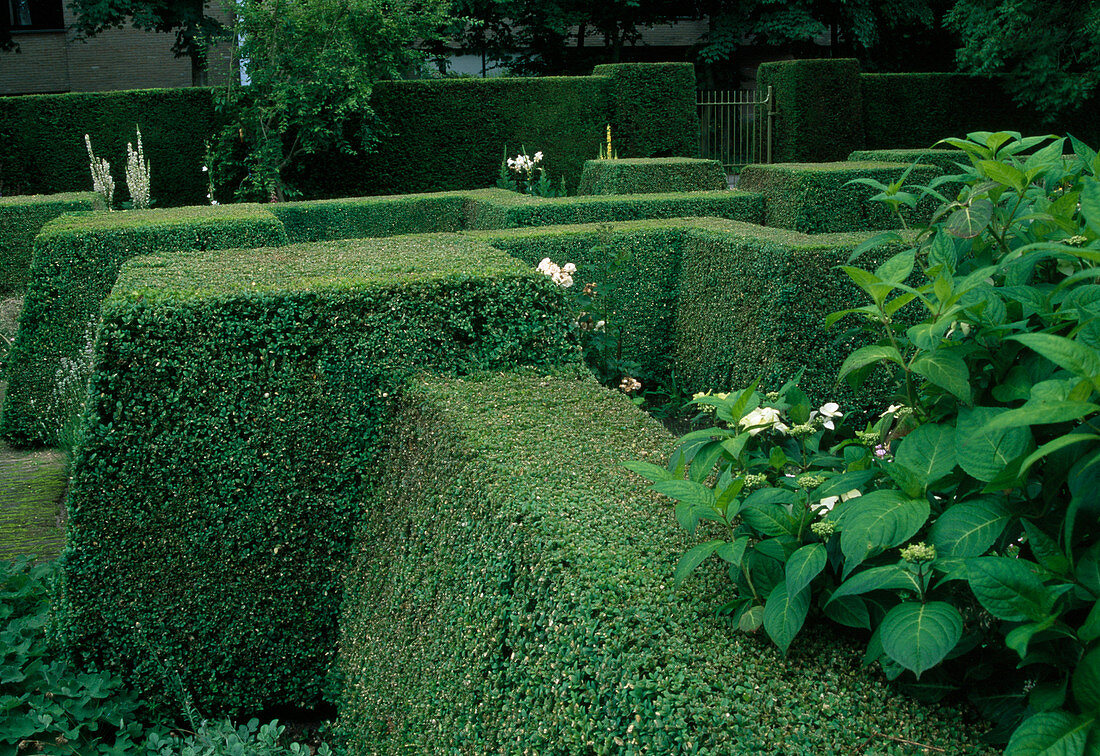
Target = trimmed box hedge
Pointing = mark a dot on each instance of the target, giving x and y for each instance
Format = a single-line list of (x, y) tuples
[(511, 592), (946, 160), (362, 217), (651, 175), (816, 198), (752, 303), (21, 218), (499, 208), (652, 109), (76, 262), (230, 444)]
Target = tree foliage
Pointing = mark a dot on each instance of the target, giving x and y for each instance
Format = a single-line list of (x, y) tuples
[(311, 66), (1049, 49)]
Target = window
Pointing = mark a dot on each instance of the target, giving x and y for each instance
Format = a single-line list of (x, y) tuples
[(32, 15)]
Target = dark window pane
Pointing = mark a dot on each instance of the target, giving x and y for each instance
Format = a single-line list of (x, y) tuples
[(22, 15)]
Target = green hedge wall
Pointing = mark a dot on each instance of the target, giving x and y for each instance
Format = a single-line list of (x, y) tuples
[(499, 208), (651, 175), (230, 444), (816, 197), (21, 217), (362, 217), (76, 262), (512, 593), (753, 303), (819, 108), (47, 154), (653, 112)]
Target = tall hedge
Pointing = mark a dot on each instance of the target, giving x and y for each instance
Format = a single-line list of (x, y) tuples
[(21, 218), (819, 108), (231, 439), (46, 153), (652, 109), (512, 593), (76, 261)]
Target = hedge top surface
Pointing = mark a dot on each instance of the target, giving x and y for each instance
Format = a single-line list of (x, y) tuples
[(655, 161), (38, 199), (376, 198), (826, 168), (155, 218), (626, 226), (793, 240), (318, 266)]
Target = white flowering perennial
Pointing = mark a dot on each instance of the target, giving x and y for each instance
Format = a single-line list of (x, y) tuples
[(762, 419), (826, 505), (102, 183), (563, 276), (827, 412), (137, 174), (522, 163)]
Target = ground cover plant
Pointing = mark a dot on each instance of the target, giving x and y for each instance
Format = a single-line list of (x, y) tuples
[(960, 527)]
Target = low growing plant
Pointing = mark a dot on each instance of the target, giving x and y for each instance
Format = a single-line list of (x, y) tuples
[(961, 528)]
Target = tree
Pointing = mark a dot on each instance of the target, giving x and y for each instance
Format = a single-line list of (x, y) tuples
[(1050, 49), (195, 31), (311, 66)]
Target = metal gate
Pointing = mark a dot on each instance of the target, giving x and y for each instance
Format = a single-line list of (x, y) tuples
[(735, 126)]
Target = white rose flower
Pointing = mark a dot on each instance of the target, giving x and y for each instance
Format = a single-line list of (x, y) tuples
[(569, 268)]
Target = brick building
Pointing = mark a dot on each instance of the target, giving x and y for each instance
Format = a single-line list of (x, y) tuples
[(53, 59)]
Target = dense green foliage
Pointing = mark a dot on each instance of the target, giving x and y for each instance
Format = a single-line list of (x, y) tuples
[(982, 478), (46, 153), (752, 302), (651, 175), (822, 198), (946, 160), (1048, 49), (362, 217), (21, 217), (230, 442), (819, 110), (510, 593), (76, 261)]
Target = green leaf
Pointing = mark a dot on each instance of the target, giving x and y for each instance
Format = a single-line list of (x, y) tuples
[(970, 220), (1065, 353), (1090, 631), (882, 520), (1090, 204), (1052, 733), (1055, 445), (866, 356), (875, 288), (733, 551), (928, 451), (1086, 684), (850, 611), (1046, 550), (1042, 413), (919, 636), (983, 454), (702, 464), (968, 529), (946, 369), (687, 491), (784, 615), (1004, 174), (842, 484), (804, 565), (897, 268), (1008, 589), (695, 556), (751, 619), (885, 578), (1020, 636), (648, 470), (769, 515)]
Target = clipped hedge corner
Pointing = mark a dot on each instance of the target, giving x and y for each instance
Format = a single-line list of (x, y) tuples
[(21, 218), (230, 444)]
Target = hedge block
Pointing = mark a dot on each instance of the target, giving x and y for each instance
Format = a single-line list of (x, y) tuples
[(512, 593), (499, 208), (76, 262), (361, 217), (231, 440), (819, 108), (651, 175), (946, 160), (652, 107), (817, 198), (21, 218), (753, 303)]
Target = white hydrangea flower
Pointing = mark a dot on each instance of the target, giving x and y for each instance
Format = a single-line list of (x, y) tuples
[(826, 505), (761, 419), (830, 411)]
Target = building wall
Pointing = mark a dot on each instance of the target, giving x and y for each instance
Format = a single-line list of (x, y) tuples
[(56, 61)]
